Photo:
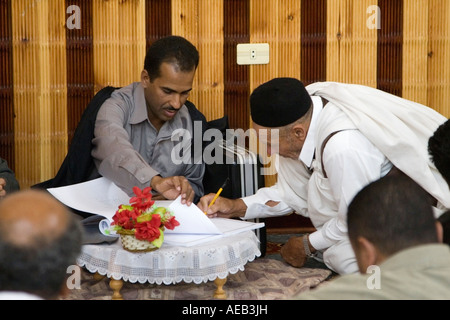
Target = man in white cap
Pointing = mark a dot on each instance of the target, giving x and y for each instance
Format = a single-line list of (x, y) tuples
[(334, 139)]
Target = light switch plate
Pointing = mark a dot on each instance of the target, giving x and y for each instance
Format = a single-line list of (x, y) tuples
[(252, 53)]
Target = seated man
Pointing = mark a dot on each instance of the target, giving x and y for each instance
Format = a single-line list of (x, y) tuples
[(395, 237), (39, 240), (132, 143), (334, 139), (8, 181)]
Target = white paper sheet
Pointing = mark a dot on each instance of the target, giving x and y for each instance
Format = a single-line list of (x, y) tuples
[(99, 196), (192, 220), (102, 197), (227, 227)]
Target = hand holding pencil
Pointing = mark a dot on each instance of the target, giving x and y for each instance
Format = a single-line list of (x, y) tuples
[(215, 206), (217, 195)]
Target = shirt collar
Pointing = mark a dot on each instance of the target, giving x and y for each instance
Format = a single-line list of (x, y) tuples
[(431, 255), (139, 112), (307, 152)]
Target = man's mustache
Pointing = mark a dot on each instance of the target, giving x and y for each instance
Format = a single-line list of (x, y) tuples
[(170, 108)]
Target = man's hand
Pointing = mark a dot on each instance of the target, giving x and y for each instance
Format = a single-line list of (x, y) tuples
[(2, 187), (171, 187), (222, 207), (293, 252)]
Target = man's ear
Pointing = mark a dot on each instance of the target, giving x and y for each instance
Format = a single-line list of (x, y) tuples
[(145, 78), (299, 131), (440, 231), (367, 254)]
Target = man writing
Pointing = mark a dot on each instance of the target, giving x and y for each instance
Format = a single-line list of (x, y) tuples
[(334, 139), (132, 142)]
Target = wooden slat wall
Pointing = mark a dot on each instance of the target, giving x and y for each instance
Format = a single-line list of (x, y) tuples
[(119, 42), (281, 29), (313, 37), (49, 72), (40, 88), (236, 30), (210, 46), (351, 45), (80, 66), (390, 49), (439, 56), (6, 86), (158, 22), (415, 50)]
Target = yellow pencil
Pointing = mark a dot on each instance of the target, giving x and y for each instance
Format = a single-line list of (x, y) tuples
[(217, 194)]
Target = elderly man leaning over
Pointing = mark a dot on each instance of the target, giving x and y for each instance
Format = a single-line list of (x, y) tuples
[(334, 139)]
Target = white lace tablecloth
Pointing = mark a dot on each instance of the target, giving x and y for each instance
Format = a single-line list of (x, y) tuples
[(169, 264)]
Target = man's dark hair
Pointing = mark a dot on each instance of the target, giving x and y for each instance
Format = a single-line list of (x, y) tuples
[(39, 268), (439, 149), (172, 49), (394, 213)]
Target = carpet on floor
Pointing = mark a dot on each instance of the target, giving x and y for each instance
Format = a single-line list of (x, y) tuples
[(262, 279)]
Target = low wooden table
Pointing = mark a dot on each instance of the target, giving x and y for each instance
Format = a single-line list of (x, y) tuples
[(210, 261)]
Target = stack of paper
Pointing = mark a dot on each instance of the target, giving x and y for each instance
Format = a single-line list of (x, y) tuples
[(101, 197)]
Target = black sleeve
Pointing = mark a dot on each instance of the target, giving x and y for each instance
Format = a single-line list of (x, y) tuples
[(6, 173)]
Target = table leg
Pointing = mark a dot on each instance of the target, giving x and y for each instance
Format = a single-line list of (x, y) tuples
[(220, 292), (98, 276), (116, 285)]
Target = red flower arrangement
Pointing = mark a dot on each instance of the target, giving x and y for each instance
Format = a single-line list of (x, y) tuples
[(143, 219)]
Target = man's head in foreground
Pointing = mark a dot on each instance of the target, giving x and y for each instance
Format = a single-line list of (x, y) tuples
[(389, 215), (39, 239)]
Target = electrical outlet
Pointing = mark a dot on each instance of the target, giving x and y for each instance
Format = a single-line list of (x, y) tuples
[(252, 53)]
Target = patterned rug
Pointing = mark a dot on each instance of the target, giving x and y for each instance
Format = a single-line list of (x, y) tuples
[(266, 278), (262, 279)]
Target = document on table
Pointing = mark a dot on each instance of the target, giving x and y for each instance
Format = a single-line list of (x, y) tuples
[(227, 227), (101, 197), (192, 220)]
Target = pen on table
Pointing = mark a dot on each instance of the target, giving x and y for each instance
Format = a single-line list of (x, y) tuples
[(217, 194)]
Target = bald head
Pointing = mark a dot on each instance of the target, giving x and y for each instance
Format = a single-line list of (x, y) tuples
[(30, 215), (39, 239)]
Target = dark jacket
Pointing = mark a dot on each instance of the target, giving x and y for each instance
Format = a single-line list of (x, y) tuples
[(6, 173), (78, 165)]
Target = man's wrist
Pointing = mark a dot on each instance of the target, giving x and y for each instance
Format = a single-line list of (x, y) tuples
[(309, 250), (154, 180), (238, 207)]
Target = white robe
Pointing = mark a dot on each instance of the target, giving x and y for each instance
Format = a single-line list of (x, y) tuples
[(399, 128)]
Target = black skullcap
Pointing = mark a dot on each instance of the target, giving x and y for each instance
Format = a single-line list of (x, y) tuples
[(279, 102)]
